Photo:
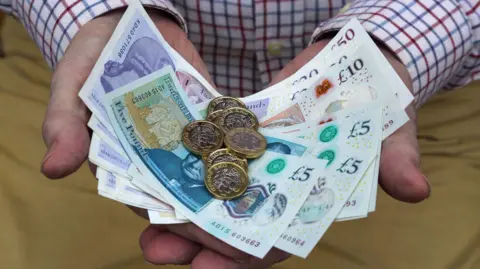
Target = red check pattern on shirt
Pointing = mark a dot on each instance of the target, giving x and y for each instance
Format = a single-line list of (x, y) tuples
[(245, 42)]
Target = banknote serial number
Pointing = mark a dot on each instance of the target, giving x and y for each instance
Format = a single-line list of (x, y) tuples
[(292, 239), (235, 235), (145, 95), (351, 203), (246, 240), (129, 38)]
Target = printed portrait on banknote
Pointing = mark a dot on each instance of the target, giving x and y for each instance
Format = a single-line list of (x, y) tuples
[(144, 56), (187, 174)]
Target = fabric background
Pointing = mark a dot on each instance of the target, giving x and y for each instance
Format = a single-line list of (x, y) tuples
[(65, 224)]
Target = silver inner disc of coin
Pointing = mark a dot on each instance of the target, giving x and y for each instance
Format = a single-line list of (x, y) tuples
[(227, 180), (246, 141), (227, 103), (204, 136), (238, 120), (225, 158)]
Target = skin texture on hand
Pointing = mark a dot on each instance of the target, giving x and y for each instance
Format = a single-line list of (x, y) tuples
[(67, 138)]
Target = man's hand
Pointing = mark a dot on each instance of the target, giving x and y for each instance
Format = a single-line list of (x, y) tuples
[(400, 174), (67, 138)]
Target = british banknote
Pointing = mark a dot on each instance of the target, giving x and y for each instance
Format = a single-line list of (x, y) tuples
[(106, 157), (106, 135), (358, 205), (349, 145), (161, 217), (120, 189)]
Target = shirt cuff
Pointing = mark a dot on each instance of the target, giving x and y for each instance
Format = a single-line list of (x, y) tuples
[(52, 24), (431, 38)]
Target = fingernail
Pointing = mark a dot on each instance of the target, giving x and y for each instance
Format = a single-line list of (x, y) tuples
[(429, 186), (147, 262), (50, 151)]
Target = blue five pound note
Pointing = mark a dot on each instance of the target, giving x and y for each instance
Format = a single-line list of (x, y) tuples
[(152, 117)]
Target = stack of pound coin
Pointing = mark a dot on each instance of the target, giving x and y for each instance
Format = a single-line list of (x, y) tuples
[(228, 124)]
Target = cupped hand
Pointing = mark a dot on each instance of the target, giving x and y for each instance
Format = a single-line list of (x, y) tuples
[(400, 174), (67, 138)]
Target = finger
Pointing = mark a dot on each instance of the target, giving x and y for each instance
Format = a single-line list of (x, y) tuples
[(161, 247), (400, 174), (210, 259), (65, 126), (273, 256), (66, 136), (195, 233), (64, 130)]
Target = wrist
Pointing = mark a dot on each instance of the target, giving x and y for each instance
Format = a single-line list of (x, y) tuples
[(168, 26), (160, 16), (397, 65)]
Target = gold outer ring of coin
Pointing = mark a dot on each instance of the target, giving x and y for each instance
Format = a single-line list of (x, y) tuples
[(217, 100), (219, 152), (242, 152), (214, 192), (214, 116), (227, 112), (198, 150)]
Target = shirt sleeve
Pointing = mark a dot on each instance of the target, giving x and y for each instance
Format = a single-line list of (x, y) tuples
[(52, 23), (438, 41), (5, 5)]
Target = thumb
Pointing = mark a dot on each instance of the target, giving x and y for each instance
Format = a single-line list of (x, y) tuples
[(400, 174), (64, 130)]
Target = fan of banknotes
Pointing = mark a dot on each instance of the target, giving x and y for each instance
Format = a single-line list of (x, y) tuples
[(274, 169)]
